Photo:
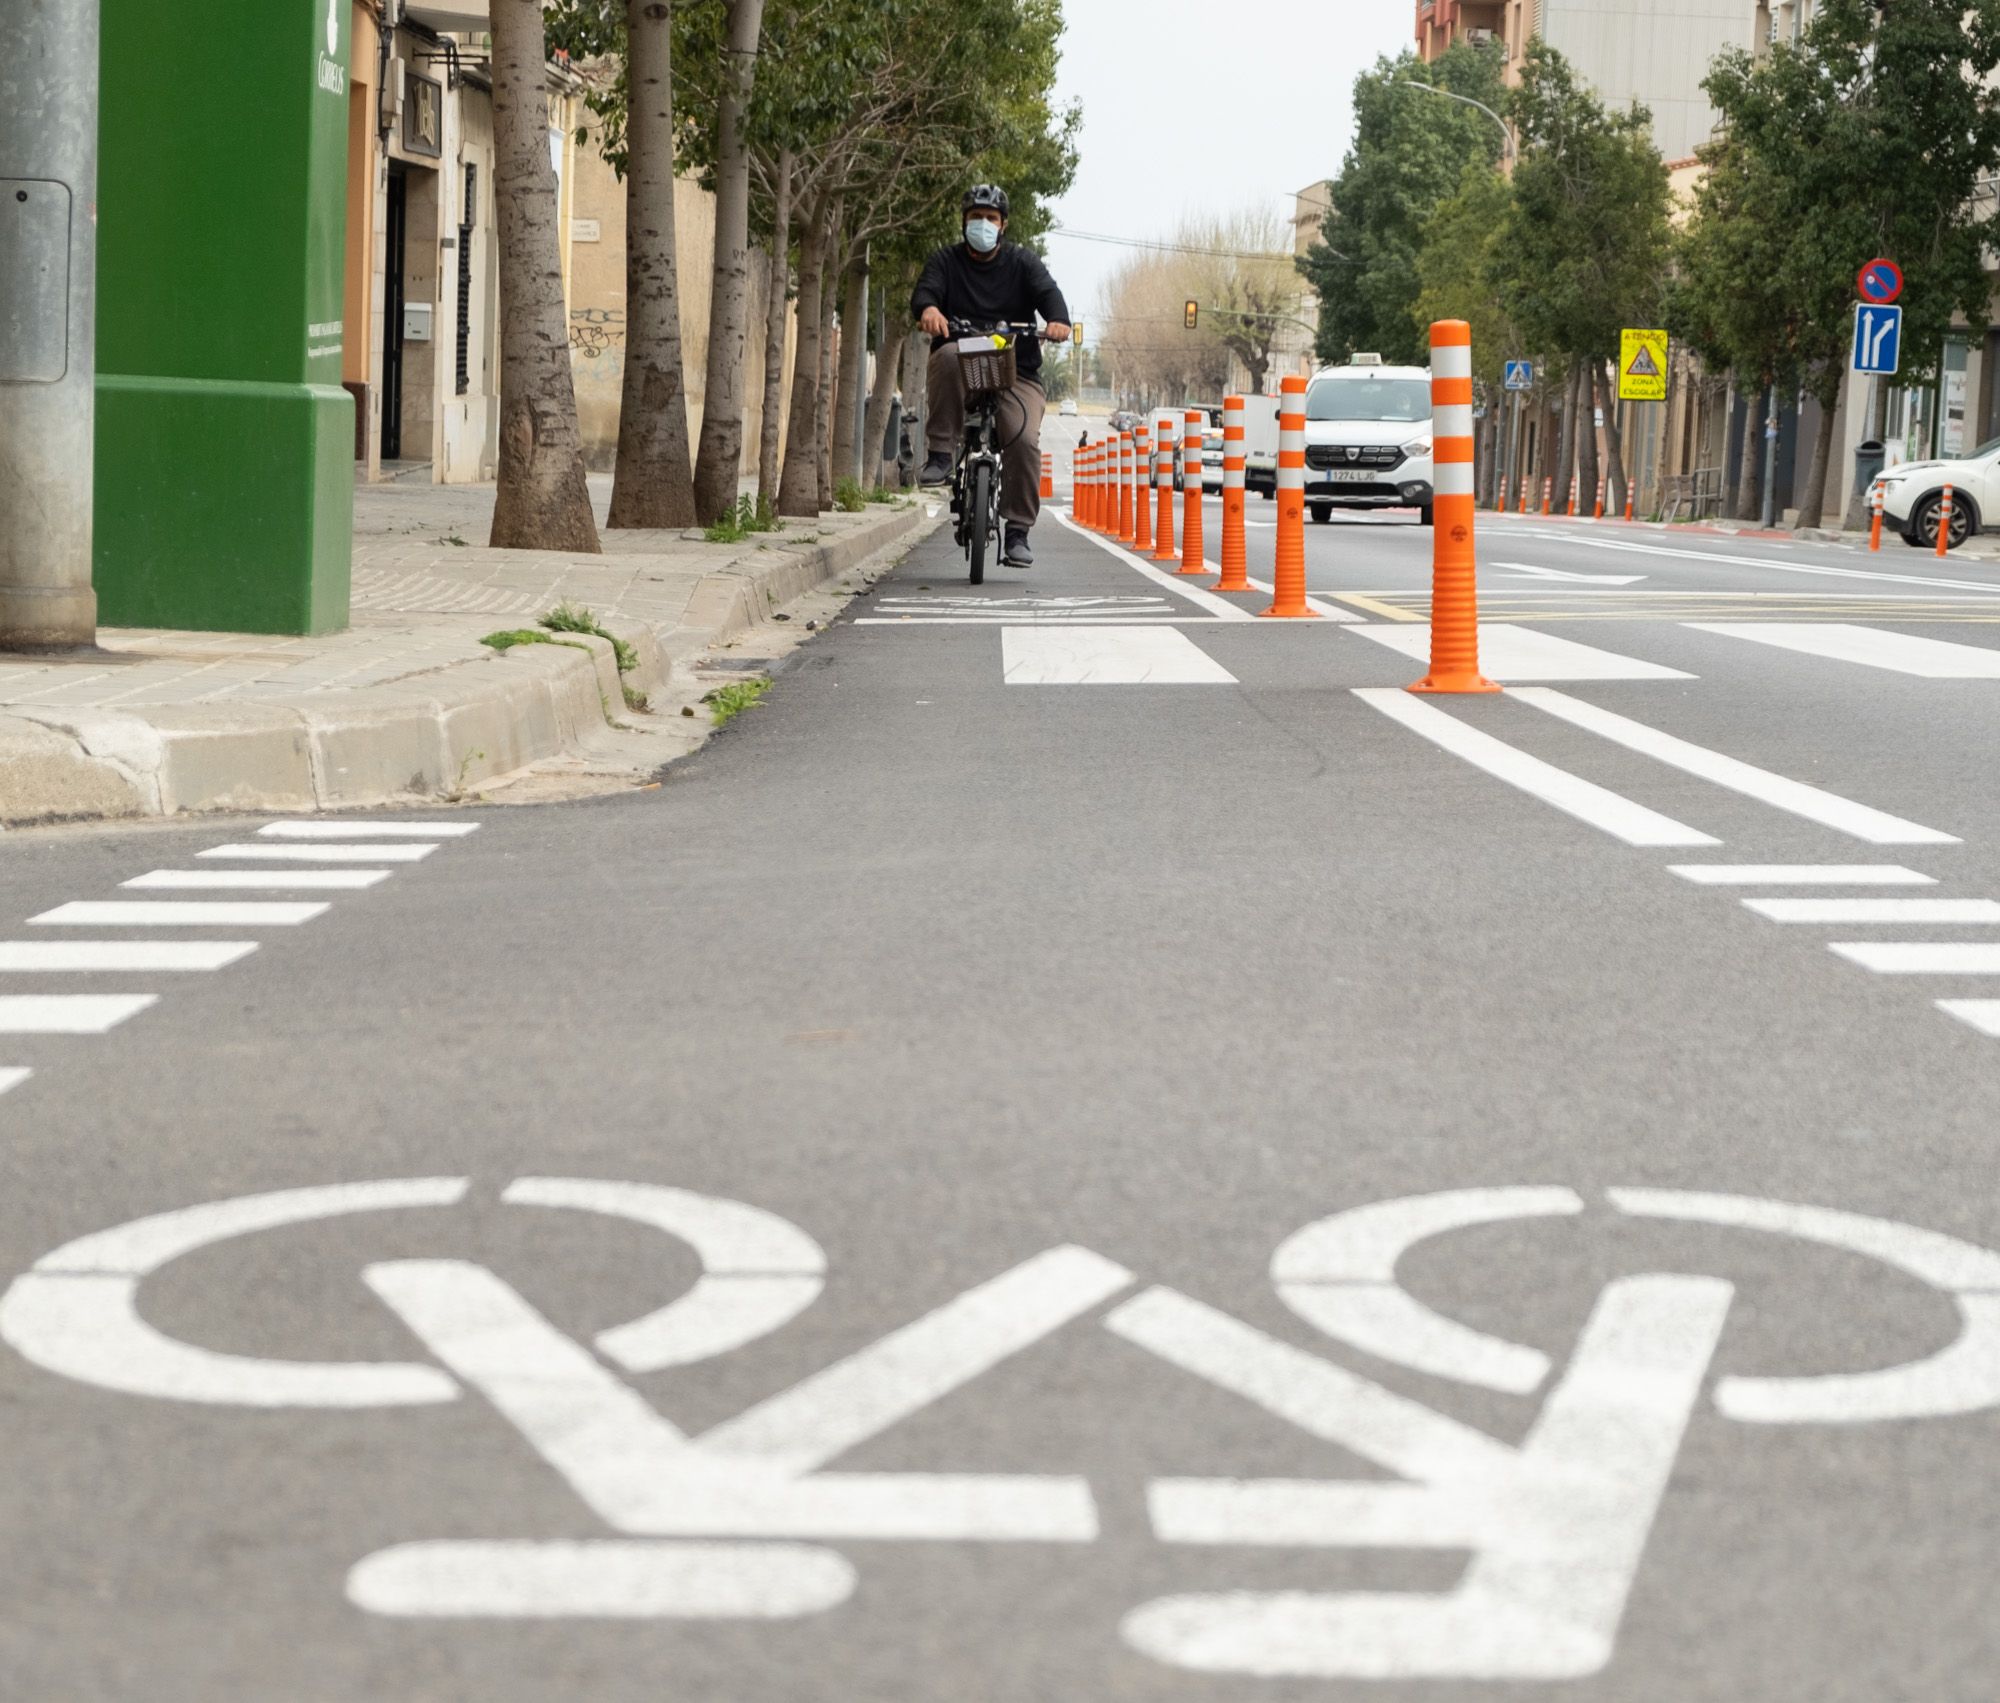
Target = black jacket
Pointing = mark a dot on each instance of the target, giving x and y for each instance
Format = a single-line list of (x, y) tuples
[(1013, 286)]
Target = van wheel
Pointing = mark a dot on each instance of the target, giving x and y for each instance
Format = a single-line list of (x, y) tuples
[(1322, 513), (1425, 516)]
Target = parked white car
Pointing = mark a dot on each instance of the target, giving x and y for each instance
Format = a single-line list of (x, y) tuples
[(1913, 492), (1368, 439)]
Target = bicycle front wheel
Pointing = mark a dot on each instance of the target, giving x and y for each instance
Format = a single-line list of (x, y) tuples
[(978, 533)]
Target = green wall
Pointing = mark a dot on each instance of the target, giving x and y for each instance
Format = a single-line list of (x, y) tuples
[(225, 472)]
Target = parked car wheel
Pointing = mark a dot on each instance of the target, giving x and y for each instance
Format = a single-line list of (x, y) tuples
[(1925, 520), (1426, 515), (1322, 514)]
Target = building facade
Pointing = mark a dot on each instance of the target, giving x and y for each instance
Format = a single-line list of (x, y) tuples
[(421, 321)]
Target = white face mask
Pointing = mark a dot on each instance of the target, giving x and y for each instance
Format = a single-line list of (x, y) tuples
[(983, 234)]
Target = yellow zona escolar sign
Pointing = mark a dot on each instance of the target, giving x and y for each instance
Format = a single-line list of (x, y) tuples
[(1642, 367)]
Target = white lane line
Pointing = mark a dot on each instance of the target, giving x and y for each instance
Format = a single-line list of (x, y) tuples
[(1586, 801), (1801, 875), (1775, 567), (368, 830), (68, 1013), (405, 853), (1520, 653), (1981, 1014), (345, 880), (1206, 601), (12, 1076), (1872, 647), (1828, 809), (1876, 910), (1922, 957), (78, 956), (179, 913), (1557, 573), (1107, 656), (1164, 618)]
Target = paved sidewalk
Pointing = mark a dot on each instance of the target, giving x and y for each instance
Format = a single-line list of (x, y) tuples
[(407, 703)]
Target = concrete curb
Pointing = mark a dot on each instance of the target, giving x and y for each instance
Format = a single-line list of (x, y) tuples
[(433, 737)]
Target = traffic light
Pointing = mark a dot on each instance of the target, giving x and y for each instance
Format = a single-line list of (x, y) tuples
[(1193, 314)]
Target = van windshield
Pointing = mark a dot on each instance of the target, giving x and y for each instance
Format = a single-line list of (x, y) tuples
[(1404, 400)]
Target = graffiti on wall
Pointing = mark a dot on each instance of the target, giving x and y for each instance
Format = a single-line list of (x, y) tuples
[(593, 331)]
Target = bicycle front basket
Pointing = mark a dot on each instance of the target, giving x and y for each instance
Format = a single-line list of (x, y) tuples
[(986, 363)]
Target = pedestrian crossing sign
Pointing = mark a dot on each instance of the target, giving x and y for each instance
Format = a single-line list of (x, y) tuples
[(1642, 367)]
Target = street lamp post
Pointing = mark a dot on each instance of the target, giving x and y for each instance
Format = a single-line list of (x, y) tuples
[(48, 306), (1506, 134)]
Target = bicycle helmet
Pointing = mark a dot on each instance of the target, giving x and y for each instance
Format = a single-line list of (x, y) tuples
[(984, 198)]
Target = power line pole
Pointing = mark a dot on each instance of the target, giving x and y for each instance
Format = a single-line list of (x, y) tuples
[(48, 306)]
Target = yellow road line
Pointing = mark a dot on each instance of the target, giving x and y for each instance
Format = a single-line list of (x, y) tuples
[(1388, 611)]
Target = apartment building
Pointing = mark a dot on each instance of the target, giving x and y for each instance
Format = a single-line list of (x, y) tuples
[(1653, 51)]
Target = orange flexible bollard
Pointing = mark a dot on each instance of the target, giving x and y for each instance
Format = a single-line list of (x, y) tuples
[(1598, 512), (1527, 485), (1048, 475), (1079, 502), (1572, 499), (1235, 556), (1192, 559), (1875, 525), (1094, 485), (1288, 574), (1166, 438), (1124, 533), (1944, 524), (1454, 564), (1548, 491), (1142, 488), (1500, 499), (1631, 496)]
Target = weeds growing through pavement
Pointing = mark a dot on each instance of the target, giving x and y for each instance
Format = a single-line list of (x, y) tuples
[(727, 702), (750, 515)]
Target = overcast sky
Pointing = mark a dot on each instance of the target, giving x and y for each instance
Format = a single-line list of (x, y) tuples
[(1205, 106)]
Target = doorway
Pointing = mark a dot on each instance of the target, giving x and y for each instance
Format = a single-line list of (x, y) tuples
[(392, 312)]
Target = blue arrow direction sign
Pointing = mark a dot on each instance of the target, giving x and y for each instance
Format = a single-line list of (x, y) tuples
[(1878, 338), (1520, 375)]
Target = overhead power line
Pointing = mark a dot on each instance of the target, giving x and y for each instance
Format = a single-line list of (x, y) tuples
[(1156, 246)]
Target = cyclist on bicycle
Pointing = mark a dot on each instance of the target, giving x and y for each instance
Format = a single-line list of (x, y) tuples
[(987, 282)]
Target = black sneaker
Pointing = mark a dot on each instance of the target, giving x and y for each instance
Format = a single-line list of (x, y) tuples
[(1017, 554), (937, 471)]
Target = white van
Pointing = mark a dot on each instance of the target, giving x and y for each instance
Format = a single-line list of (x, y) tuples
[(1368, 439), (1260, 444)]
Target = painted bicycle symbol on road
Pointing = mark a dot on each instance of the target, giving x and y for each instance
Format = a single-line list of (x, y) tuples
[(743, 1520)]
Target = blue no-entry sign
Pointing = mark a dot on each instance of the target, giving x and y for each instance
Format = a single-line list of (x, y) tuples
[(1520, 375), (1878, 338)]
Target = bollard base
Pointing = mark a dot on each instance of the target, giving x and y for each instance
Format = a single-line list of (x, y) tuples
[(1454, 683), (1197, 573), (1278, 614)]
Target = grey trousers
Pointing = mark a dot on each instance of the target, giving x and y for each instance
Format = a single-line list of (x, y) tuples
[(1020, 461)]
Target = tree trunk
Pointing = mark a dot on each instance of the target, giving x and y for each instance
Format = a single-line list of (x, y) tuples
[(1586, 438), (719, 462), (1750, 481), (846, 447), (891, 332), (1812, 500), (1732, 470), (828, 393), (799, 490), (1566, 456), (1614, 444), (543, 501), (653, 483), (776, 317)]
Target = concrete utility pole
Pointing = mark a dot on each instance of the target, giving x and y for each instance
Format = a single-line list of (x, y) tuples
[(48, 308)]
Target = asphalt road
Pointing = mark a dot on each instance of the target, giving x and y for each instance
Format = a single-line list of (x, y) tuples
[(1038, 967)]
